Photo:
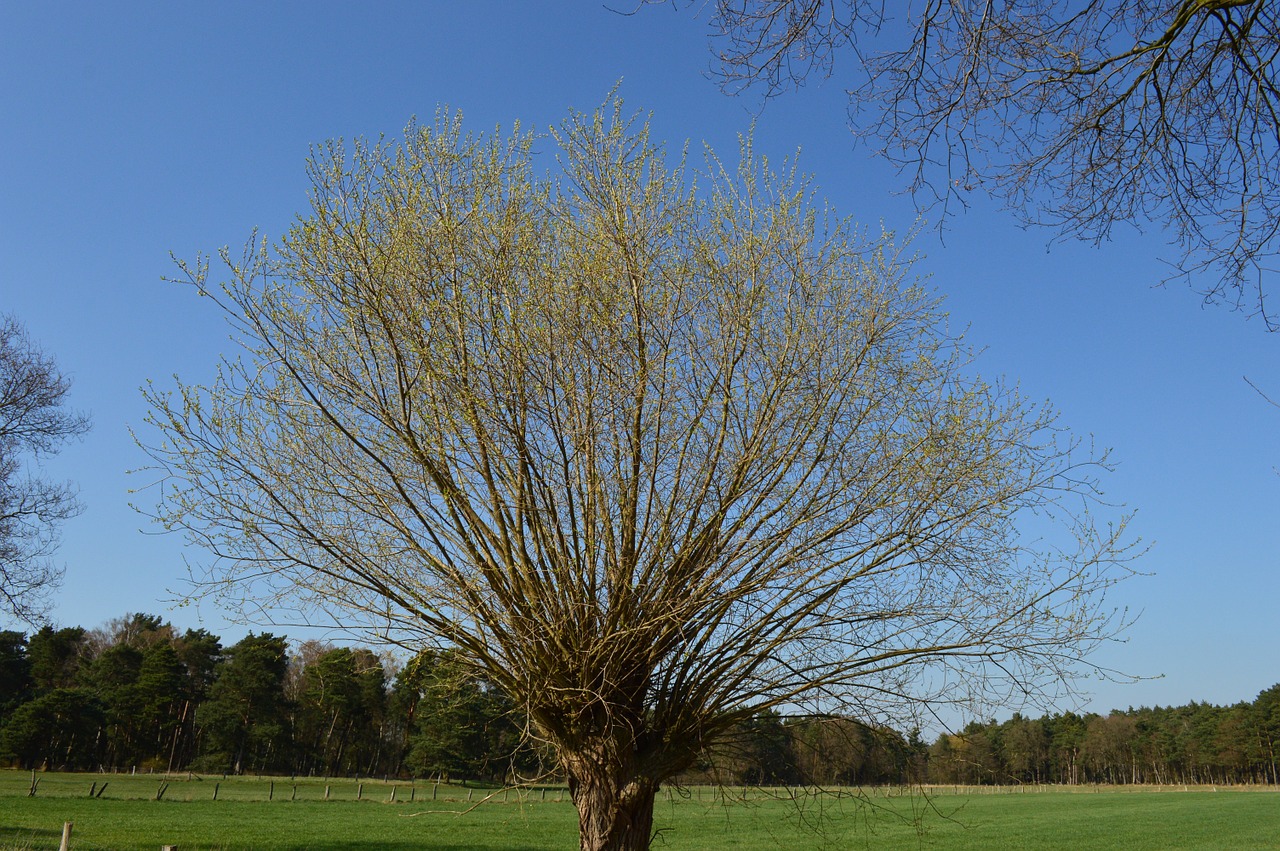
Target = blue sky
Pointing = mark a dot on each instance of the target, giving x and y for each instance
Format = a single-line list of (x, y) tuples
[(132, 131)]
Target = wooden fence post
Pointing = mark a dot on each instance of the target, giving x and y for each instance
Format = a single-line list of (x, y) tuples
[(65, 845), (215, 790)]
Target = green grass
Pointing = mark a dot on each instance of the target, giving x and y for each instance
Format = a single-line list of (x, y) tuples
[(128, 817)]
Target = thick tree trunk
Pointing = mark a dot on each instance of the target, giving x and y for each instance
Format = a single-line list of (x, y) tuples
[(615, 804), (612, 791)]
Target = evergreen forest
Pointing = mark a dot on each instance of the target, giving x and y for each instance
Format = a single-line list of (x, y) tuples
[(138, 695)]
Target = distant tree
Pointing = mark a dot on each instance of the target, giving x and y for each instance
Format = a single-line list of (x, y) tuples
[(402, 700), (1024, 748), (769, 750), (134, 630), (371, 747), (340, 708), (1110, 749), (1235, 744), (199, 652), (653, 460), (765, 749), (941, 760), (1266, 720), (15, 672), (917, 757), (243, 719), (1066, 739), (112, 677), (463, 726), (34, 422), (59, 729), (140, 678), (158, 693), (978, 752), (1199, 735), (844, 751), (57, 656), (1082, 114)]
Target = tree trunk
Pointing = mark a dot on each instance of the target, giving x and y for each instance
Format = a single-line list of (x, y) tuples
[(615, 807)]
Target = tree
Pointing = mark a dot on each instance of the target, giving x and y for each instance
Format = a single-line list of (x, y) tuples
[(158, 694), (1081, 114), (1066, 738), (1024, 746), (1266, 718), (462, 726), (243, 719), (15, 672), (652, 459), (763, 751), (843, 751), (339, 709), (199, 652), (372, 746), (59, 729), (113, 677), (57, 657), (33, 422)]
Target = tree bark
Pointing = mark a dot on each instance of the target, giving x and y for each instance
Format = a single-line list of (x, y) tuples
[(615, 806)]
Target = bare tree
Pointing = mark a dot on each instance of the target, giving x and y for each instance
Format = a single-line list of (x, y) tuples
[(1081, 114), (34, 422), (654, 459)]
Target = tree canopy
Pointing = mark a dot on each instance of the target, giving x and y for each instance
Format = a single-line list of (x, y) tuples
[(651, 457), (34, 422), (435, 719), (1082, 114)]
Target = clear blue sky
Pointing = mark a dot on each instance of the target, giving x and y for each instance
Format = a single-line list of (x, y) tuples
[(131, 131)]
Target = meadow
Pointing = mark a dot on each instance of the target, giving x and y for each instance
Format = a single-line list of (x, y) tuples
[(287, 815)]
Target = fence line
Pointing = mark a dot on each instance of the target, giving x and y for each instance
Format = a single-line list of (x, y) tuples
[(183, 786)]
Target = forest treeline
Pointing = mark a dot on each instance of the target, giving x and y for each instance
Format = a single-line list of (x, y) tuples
[(137, 693)]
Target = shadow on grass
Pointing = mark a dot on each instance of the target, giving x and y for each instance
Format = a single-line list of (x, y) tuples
[(32, 837), (7, 832), (382, 845), (23, 838)]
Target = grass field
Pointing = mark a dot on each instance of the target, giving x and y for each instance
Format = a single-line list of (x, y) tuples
[(127, 816)]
